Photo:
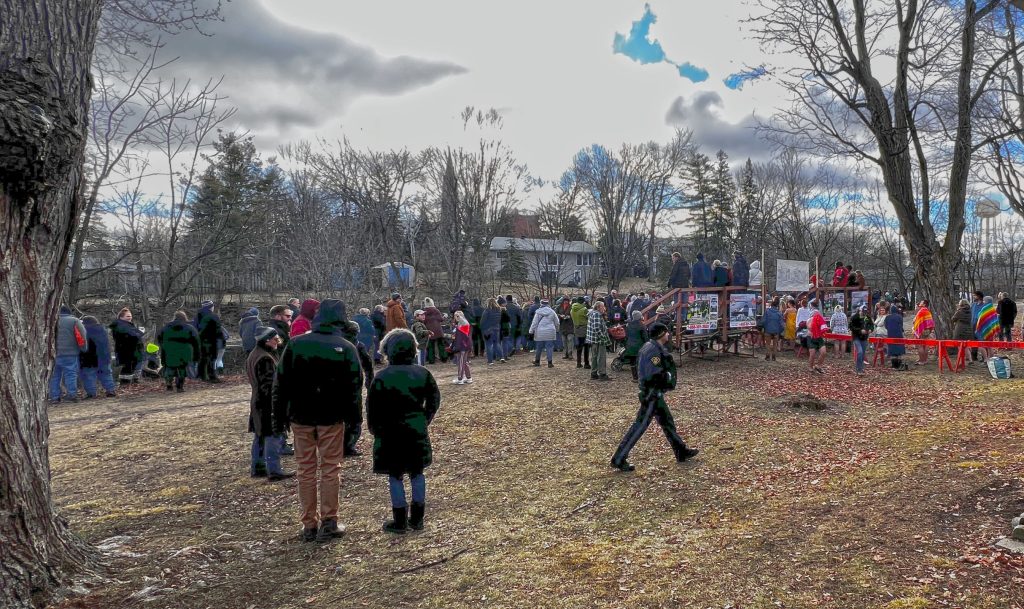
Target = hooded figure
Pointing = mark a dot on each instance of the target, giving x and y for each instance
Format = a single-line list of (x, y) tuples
[(354, 418), (702, 276), (756, 277), (304, 322), (740, 271), (318, 382), (247, 325), (400, 405)]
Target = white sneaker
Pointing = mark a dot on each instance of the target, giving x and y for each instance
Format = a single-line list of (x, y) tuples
[(456, 381), (460, 382), (469, 381)]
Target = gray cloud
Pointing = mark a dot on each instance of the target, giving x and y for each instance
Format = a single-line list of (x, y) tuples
[(281, 76), (713, 133)]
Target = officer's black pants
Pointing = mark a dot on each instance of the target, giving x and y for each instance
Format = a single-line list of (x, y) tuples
[(653, 408)]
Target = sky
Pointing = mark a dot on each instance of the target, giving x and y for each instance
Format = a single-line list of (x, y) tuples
[(564, 75)]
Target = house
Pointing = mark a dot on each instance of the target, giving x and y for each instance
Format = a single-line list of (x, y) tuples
[(552, 262)]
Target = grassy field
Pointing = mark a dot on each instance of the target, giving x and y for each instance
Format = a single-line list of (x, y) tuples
[(889, 498)]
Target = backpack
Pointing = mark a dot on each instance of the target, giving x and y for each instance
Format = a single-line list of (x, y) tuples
[(999, 367), (816, 324)]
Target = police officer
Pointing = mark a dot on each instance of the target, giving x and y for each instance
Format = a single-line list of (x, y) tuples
[(657, 373)]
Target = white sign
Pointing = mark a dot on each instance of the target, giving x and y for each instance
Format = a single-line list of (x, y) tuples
[(792, 275), (742, 311)]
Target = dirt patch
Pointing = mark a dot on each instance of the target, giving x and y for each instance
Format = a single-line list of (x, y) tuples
[(865, 504)]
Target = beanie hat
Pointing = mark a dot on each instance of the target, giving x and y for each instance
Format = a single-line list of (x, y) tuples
[(501, 300), (265, 333), (658, 330), (395, 296), (399, 345)]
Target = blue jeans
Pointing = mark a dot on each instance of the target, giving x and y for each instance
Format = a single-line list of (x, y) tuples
[(421, 357), (508, 345), (397, 488), (105, 376), (542, 345), (859, 348), (266, 452), (493, 348), (65, 367), (558, 342)]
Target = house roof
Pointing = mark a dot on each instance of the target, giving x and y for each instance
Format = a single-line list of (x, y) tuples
[(550, 246)]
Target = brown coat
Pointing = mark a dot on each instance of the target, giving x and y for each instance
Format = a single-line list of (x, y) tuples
[(395, 315)]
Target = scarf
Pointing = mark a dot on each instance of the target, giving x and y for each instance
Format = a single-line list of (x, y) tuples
[(923, 323)]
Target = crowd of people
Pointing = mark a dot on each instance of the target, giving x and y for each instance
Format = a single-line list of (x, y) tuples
[(308, 366)]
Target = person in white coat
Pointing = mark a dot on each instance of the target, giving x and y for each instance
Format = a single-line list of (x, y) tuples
[(545, 332), (756, 277)]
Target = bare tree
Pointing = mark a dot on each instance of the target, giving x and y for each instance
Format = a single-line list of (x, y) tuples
[(45, 87), (874, 86)]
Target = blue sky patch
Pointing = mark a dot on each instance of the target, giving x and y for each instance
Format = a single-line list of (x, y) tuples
[(639, 47), (737, 80)]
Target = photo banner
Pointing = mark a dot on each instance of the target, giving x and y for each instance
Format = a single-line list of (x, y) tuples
[(703, 312), (831, 300), (742, 310), (857, 299), (792, 275)]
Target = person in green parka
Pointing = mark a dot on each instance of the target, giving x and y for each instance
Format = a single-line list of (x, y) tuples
[(400, 405), (179, 347), (578, 313)]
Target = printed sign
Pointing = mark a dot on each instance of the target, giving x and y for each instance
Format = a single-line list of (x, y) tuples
[(857, 299), (831, 300), (703, 312), (742, 310), (792, 275)]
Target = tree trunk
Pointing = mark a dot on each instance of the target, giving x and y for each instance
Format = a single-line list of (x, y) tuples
[(46, 48)]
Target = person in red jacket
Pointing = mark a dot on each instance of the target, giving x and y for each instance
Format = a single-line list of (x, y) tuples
[(841, 278), (462, 346), (817, 326), (304, 322)]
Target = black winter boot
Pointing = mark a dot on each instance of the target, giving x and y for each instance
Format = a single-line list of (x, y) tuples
[(416, 515), (400, 522)]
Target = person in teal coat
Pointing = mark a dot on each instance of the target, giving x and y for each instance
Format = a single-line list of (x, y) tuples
[(400, 405)]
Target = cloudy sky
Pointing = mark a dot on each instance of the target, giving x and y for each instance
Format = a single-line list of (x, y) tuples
[(564, 74)]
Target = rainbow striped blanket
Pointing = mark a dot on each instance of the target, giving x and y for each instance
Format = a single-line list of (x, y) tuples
[(923, 323), (988, 323)]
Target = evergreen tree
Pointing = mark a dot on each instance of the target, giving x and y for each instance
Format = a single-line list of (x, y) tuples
[(515, 263), (721, 210), (698, 188)]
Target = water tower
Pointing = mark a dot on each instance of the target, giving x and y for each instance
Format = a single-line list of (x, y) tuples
[(987, 210)]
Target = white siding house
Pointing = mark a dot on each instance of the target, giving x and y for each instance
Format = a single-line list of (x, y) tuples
[(551, 261)]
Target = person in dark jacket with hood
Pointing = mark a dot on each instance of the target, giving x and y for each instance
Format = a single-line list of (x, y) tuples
[(318, 381), (473, 315), (490, 326), (354, 418), (400, 405), (210, 337), (459, 303), (740, 270), (720, 274), (247, 325), (127, 346), (526, 320), (702, 276), (179, 347), (95, 362), (894, 329), (259, 369)]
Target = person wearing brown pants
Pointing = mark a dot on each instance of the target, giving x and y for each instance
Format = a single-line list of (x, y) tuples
[(323, 444), (318, 382)]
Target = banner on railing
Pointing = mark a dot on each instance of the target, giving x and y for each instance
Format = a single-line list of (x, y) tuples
[(703, 312), (792, 275), (742, 310)]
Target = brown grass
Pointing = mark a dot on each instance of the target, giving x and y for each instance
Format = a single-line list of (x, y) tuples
[(887, 499)]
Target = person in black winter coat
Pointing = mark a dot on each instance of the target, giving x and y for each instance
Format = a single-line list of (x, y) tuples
[(354, 418), (380, 324), (400, 405), (740, 270), (318, 381), (127, 346), (680, 275), (1006, 308), (265, 459), (473, 315), (515, 321), (211, 336)]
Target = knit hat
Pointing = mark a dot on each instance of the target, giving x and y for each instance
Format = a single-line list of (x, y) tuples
[(265, 333), (657, 330), (637, 315), (350, 331), (537, 299), (501, 300), (399, 345), (205, 303), (543, 301), (418, 312), (395, 296)]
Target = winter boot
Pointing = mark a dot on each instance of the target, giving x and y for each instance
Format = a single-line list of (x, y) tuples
[(416, 516), (400, 523)]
